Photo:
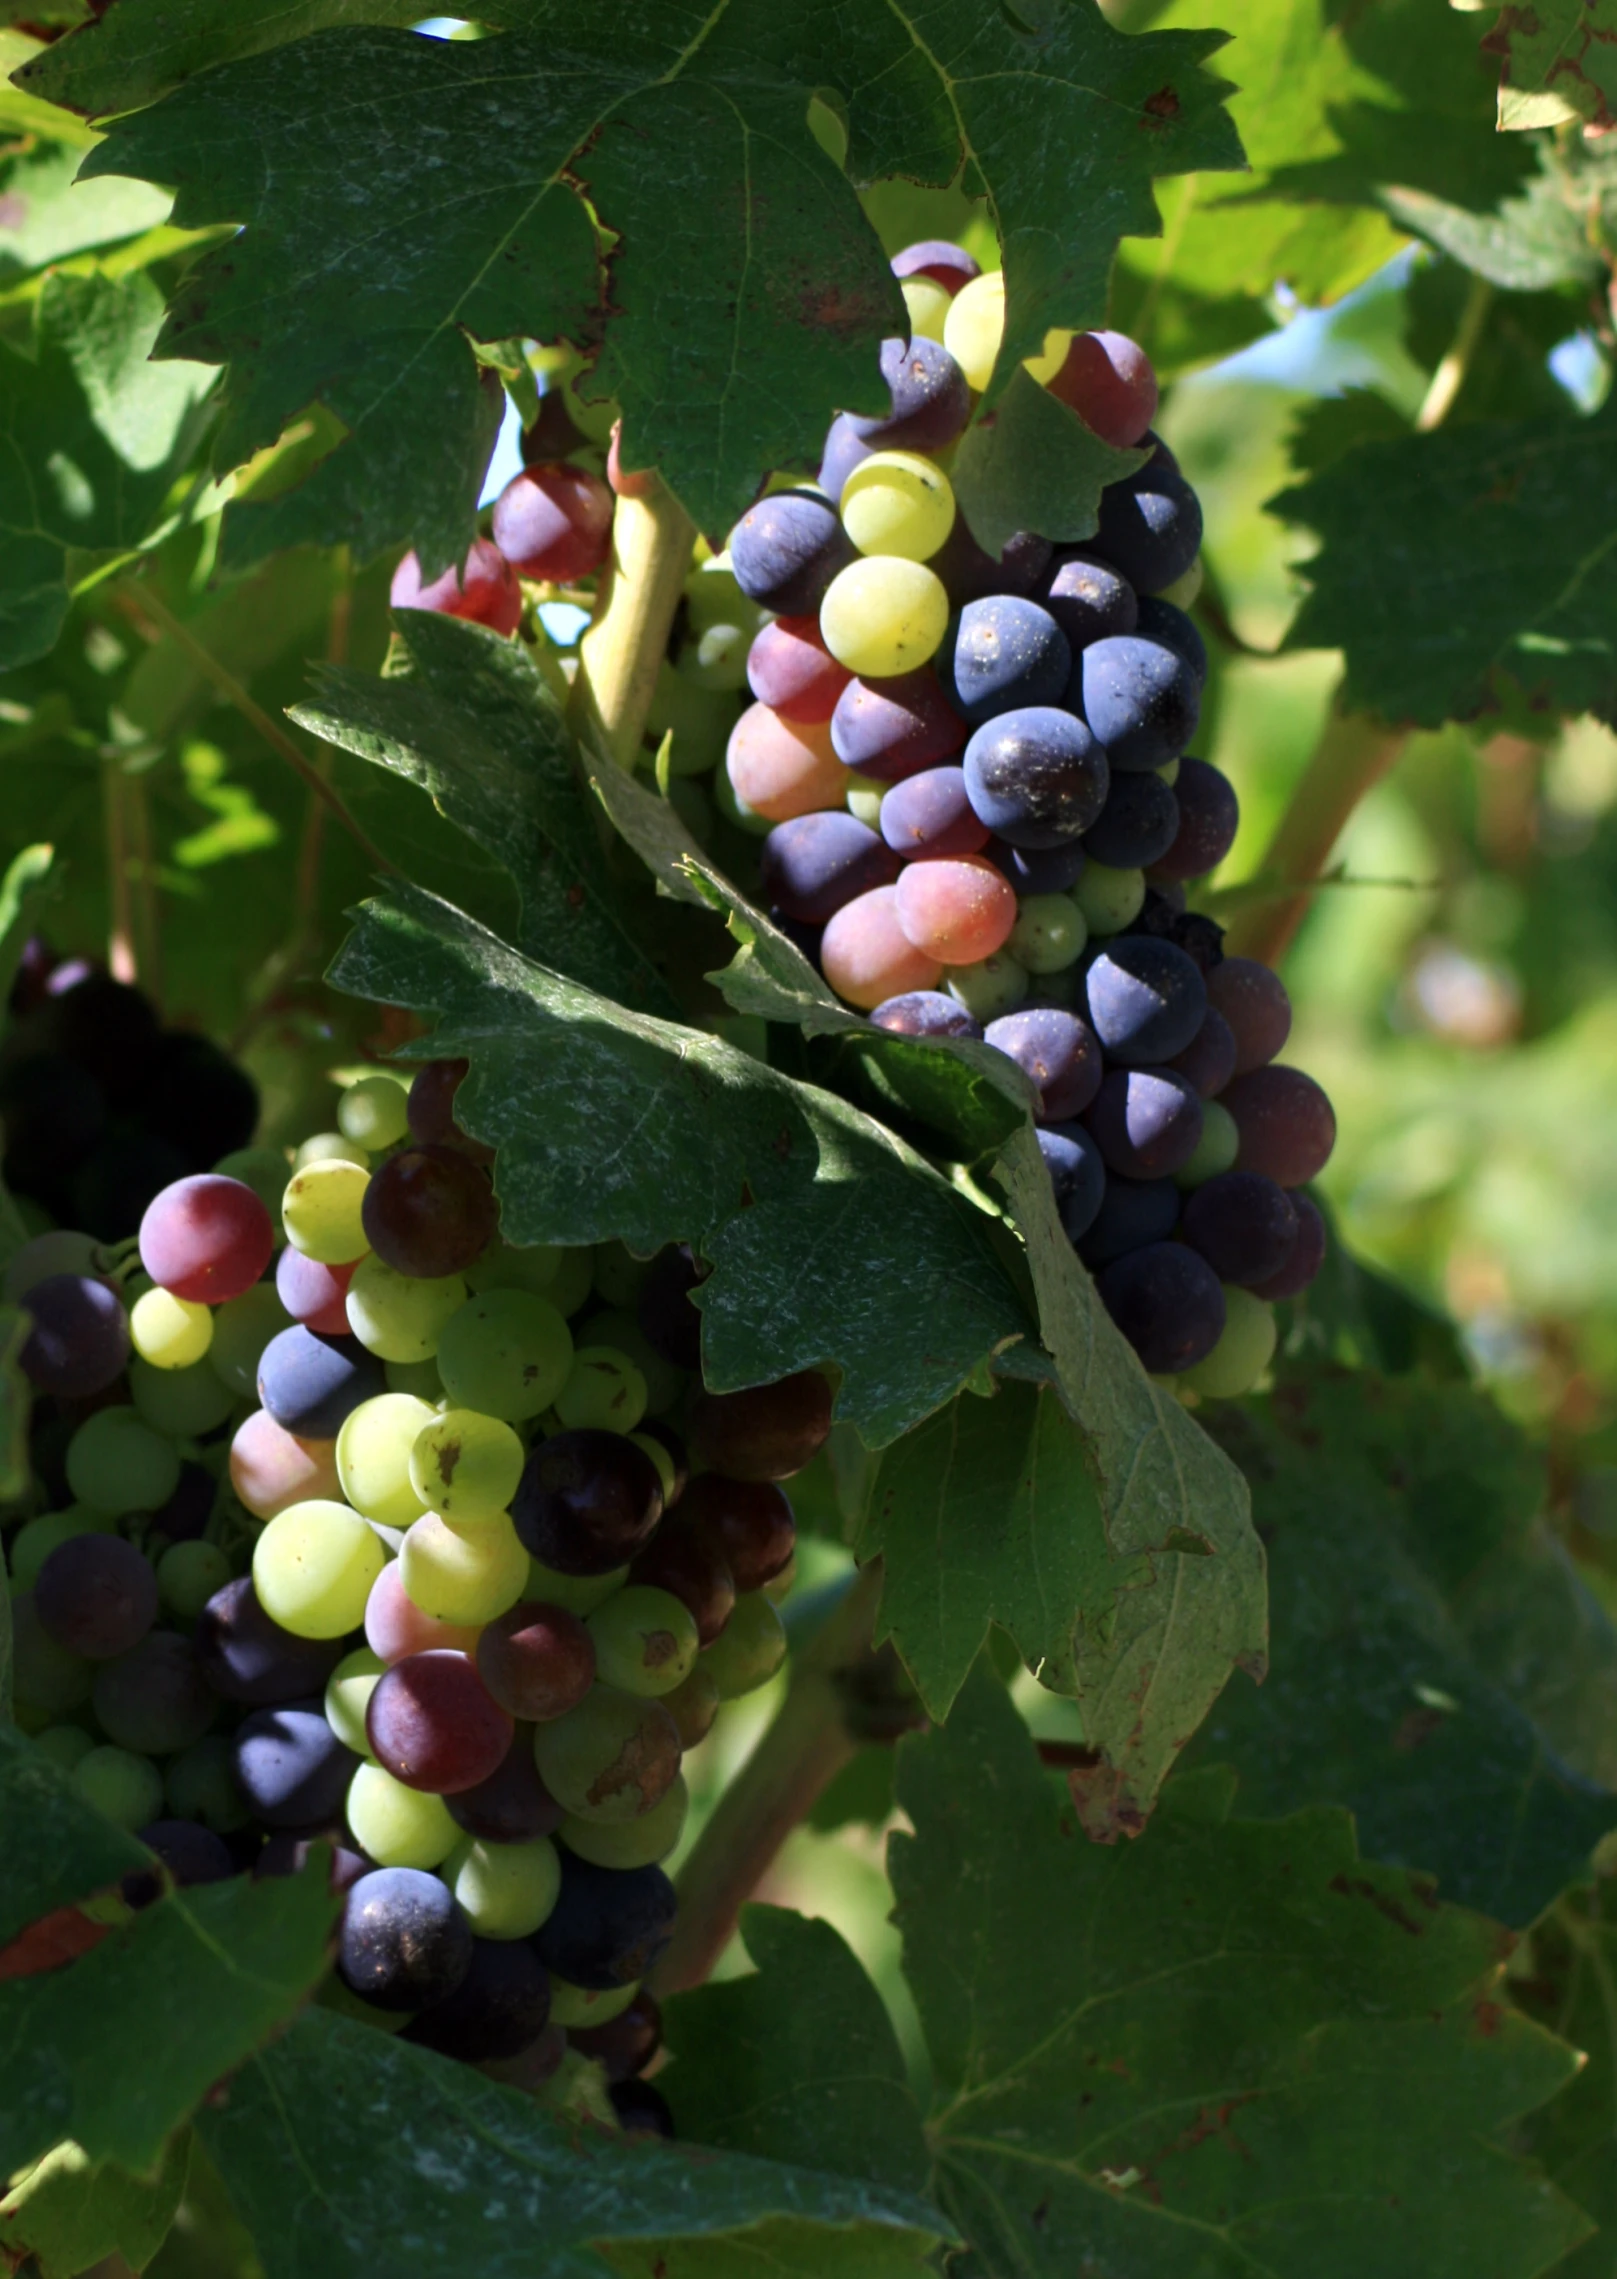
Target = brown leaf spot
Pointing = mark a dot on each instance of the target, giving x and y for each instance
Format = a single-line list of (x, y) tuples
[(1350, 1887), (1163, 105), (56, 1939), (1418, 1727), (1490, 2017)]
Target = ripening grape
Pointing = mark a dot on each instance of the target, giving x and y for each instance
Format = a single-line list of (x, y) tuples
[(310, 1384), (866, 955), (763, 1432), (249, 1658), (1244, 1350), (428, 1212), (188, 1574), (1287, 1125), (608, 1926), (689, 1563), (1107, 379), (1138, 824), (96, 1596), (554, 522), (329, 1147), (1058, 1052), (814, 864), (883, 615), (1208, 1061), (314, 1294), (1209, 816), (537, 1660), (1142, 701), (127, 1788), (483, 589), (782, 768), (1146, 999), (1146, 1122), (1110, 900), (290, 1766), (1254, 1002), (999, 985), (313, 1567), (375, 1112), (270, 1469), (169, 1332), (641, 1843), (890, 729), (1168, 1303), (938, 258), (206, 1238), (433, 1724), (786, 550), (929, 402), (956, 910), (1036, 776), (396, 1626), (790, 669), (930, 814), (927, 304), (79, 1339), (1306, 1257)]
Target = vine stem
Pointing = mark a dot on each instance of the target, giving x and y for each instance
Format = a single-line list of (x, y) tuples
[(622, 651), (806, 1746), (1449, 378)]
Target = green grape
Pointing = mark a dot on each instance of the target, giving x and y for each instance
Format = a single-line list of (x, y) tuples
[(36, 1539), (116, 1463), (863, 799), (321, 1208), (169, 1332), (995, 985), (348, 1695), (265, 1171), (399, 1827), (617, 1274), (463, 1578), (1244, 1350), (612, 1758), (507, 1890), (418, 1377), (331, 1994), (313, 1567), (662, 1457), (712, 596), (65, 1745), (641, 1843), (1169, 773), (898, 503), (928, 304), (883, 615), (373, 1112), (575, 1278), (464, 1466), (1065, 988), (200, 1784), (604, 1391), (188, 1574), (49, 1680), (1185, 588), (1109, 899), (778, 1589), (504, 1267), (975, 326), (373, 1457), (665, 1383), (748, 1650), (506, 1353), (645, 1640), (572, 2005), (330, 1147), (577, 1594), (1049, 934), (717, 658), (241, 1330), (181, 1404), (1215, 1151), (127, 1788), (397, 1316)]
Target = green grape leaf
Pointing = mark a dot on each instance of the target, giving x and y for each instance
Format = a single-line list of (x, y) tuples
[(49, 216), (1459, 566), (475, 725), (1557, 63), (1569, 1985), (1233, 2045), (801, 2051), (1032, 464), (91, 437), (69, 2212), (71, 1852), (731, 319), (1436, 1666), (348, 2154), (830, 1239)]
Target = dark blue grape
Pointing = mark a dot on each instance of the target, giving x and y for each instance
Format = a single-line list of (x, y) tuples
[(641, 2108), (1138, 824), (1146, 1122), (1057, 1051), (1208, 1061), (1306, 1258), (1077, 1175), (290, 1766), (156, 1698), (1209, 815), (1167, 1302), (587, 1501), (311, 1385), (844, 449), (1243, 1224), (894, 728), (1146, 999), (190, 1852), (96, 1595), (814, 864), (925, 1013), (971, 574), (930, 814), (1088, 599), (1002, 654), (513, 1805), (1164, 621), (1150, 525), (1038, 870), (405, 1943), (79, 1341), (1036, 777), (786, 550), (1142, 700), (248, 1657), (499, 2009), (1134, 1212), (608, 1925), (931, 402)]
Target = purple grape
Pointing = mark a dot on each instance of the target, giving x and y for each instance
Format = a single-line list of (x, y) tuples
[(1147, 999), (1208, 1061), (248, 1657), (586, 1501), (1209, 814), (1038, 870), (641, 2108), (1077, 1175), (971, 574), (1146, 1122), (1150, 525), (845, 447), (1057, 1051), (814, 864), (1141, 700), (291, 1767), (1243, 1225), (405, 1943), (931, 402), (608, 1925), (311, 1385), (79, 1341), (1162, 621), (894, 728), (664, 1309), (1138, 824), (1003, 654), (925, 1013), (96, 1596), (499, 2009), (1307, 1254), (1036, 777), (1133, 1213), (1088, 599), (513, 1805), (1167, 1302), (930, 814), (785, 551)]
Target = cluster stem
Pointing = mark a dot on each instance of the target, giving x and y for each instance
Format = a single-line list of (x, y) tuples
[(622, 651)]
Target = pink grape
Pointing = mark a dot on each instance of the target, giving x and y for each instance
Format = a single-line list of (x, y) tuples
[(554, 522), (958, 909), (929, 814), (484, 589), (866, 955), (790, 669), (270, 1468), (206, 1238), (433, 1724), (1108, 381), (783, 768), (1254, 1002), (1287, 1125), (313, 1294), (395, 1626)]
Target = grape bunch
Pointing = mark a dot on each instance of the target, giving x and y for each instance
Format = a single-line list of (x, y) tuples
[(979, 816), (366, 1526)]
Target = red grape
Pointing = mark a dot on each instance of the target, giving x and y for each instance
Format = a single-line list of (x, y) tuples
[(484, 589), (395, 1626), (958, 909), (767, 1432), (537, 1661), (1287, 1125), (1254, 1002), (433, 1724), (429, 1212), (554, 521), (790, 669), (866, 955), (206, 1238), (1108, 381), (313, 1294), (783, 768)]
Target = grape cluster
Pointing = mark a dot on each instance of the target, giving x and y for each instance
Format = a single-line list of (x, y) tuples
[(368, 1526), (980, 814), (100, 1104)]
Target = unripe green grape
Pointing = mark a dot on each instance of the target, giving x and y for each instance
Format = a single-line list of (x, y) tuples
[(572, 2005), (313, 1567), (645, 1640), (265, 1171), (169, 1332), (863, 799), (1244, 1350), (463, 1578), (641, 1843), (604, 1390), (418, 1377), (506, 1353), (331, 1147), (898, 503), (241, 1330), (507, 1890), (65, 1745), (928, 304), (1049, 934), (663, 1457), (466, 1466), (575, 1594), (693, 1706), (1185, 588), (373, 1458), (399, 1827), (348, 1694), (505, 1266), (127, 1788), (617, 1274), (748, 1650), (712, 596), (717, 658), (49, 1680), (181, 1404), (779, 1587), (1065, 988), (373, 1112), (401, 1317), (321, 1208), (331, 1994), (1109, 899), (975, 326), (200, 1784), (574, 1280), (612, 1758), (883, 615), (117, 1463), (1169, 773), (995, 985), (665, 1383), (1215, 1151), (36, 1539), (188, 1574)]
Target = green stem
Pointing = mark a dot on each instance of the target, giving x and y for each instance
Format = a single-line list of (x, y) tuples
[(1449, 378), (815, 1733), (622, 652)]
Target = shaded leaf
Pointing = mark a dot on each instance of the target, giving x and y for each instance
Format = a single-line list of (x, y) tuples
[(1570, 1986), (48, 216), (69, 2212), (71, 1852), (1033, 465), (1557, 62)]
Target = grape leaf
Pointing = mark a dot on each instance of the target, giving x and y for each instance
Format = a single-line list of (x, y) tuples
[(830, 1239), (743, 296), (800, 2052), (1457, 563), (349, 2154), (91, 437), (1032, 464), (68, 2212), (1291, 2061), (1571, 1988), (48, 216), (71, 1852), (1557, 63), (1436, 1666)]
